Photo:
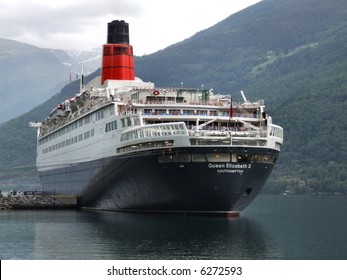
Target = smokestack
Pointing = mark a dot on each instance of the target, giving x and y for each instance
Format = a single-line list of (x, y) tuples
[(117, 58)]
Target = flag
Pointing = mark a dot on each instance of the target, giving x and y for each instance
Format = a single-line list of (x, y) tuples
[(76, 77)]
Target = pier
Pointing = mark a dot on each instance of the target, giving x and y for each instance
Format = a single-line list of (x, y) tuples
[(37, 202)]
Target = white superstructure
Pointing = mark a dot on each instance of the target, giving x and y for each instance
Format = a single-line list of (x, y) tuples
[(132, 115)]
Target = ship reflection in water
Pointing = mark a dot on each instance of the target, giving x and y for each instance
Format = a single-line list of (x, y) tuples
[(273, 227), (133, 236), (108, 235)]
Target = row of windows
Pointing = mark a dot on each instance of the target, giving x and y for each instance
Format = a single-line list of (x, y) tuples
[(242, 142), (86, 135), (217, 157), (111, 126), (145, 146), (183, 112), (154, 131), (276, 131), (187, 112), (96, 116), (227, 141), (210, 141), (125, 122), (130, 121), (66, 129)]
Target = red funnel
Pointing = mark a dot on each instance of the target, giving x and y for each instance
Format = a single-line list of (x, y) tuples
[(117, 58)]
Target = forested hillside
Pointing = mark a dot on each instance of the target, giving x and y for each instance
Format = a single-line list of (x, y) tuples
[(228, 56), (308, 96), (292, 53)]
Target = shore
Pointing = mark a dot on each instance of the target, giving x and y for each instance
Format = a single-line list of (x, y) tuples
[(37, 202)]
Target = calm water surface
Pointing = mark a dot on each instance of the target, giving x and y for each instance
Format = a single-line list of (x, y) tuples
[(272, 227)]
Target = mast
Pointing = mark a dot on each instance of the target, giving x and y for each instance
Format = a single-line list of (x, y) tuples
[(78, 74), (82, 77)]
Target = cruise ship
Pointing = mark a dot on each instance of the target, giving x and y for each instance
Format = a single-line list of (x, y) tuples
[(123, 144)]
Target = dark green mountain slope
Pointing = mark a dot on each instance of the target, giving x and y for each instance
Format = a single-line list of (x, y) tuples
[(223, 56), (308, 97), (292, 53)]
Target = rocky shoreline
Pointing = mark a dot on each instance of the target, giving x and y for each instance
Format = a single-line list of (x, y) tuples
[(36, 202)]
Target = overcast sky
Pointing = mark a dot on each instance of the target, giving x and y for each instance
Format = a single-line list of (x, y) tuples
[(82, 24)]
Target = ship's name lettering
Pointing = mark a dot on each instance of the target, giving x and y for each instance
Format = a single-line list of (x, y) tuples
[(229, 165), (238, 171)]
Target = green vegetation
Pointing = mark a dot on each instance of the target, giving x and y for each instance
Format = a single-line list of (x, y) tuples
[(292, 53)]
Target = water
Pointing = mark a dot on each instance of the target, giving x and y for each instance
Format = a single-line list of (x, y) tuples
[(272, 227)]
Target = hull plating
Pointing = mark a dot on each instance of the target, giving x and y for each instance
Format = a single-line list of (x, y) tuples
[(144, 182)]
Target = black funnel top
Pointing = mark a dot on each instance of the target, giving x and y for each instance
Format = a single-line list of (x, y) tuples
[(118, 32)]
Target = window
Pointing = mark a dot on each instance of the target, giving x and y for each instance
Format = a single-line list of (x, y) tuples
[(174, 112), (181, 158), (87, 120), (99, 115), (128, 121), (218, 157), (198, 158), (136, 120), (188, 112), (111, 126), (86, 135)]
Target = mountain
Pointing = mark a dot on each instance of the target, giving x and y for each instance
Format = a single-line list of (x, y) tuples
[(225, 57), (292, 53), (30, 75), (18, 141), (91, 58)]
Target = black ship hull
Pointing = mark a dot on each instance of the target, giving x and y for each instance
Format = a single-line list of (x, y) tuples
[(170, 180)]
